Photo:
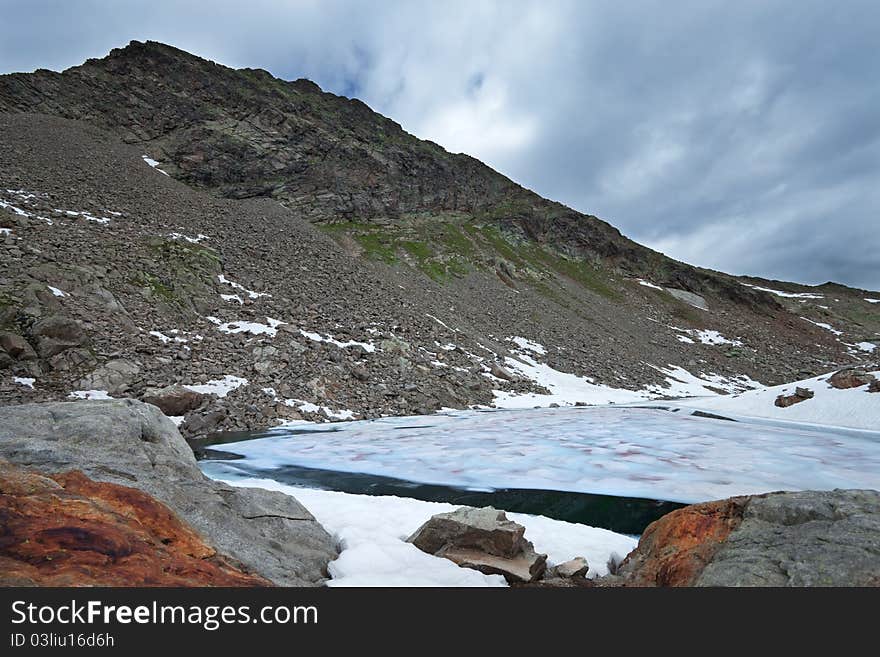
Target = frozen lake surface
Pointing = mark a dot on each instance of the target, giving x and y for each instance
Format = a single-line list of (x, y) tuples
[(620, 451)]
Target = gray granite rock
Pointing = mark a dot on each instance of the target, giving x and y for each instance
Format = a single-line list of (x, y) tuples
[(131, 443)]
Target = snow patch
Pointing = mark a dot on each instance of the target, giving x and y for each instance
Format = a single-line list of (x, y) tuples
[(55, 291), (707, 336), (232, 297), (192, 240), (823, 325), (788, 295), (166, 339), (309, 407), (372, 532), (153, 163), (250, 293), (369, 347), (525, 343), (89, 394), (648, 284), (24, 381), (441, 323), (564, 389), (219, 387), (873, 300), (681, 383), (855, 407), (254, 328)]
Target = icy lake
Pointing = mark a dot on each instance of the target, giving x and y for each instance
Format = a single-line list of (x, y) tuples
[(637, 455)]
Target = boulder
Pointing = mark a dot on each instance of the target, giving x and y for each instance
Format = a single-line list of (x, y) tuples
[(570, 569), (527, 566), (874, 386), (72, 360), (57, 333), (130, 443), (800, 394), (501, 373), (69, 530), (482, 539), (850, 378), (173, 400), (203, 423), (689, 298), (485, 529), (673, 550), (809, 538), (115, 376), (16, 346)]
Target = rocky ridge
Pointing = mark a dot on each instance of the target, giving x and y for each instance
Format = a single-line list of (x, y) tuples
[(320, 263)]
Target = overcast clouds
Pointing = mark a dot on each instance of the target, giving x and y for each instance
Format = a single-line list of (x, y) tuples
[(740, 136)]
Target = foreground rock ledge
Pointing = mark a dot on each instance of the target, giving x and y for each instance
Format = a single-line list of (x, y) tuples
[(810, 538), (133, 444), (68, 530)]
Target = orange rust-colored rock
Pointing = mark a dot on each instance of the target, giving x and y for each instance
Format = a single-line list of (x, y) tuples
[(674, 549), (68, 530)]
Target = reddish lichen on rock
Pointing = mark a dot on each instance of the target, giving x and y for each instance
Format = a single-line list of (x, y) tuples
[(68, 530), (674, 549)]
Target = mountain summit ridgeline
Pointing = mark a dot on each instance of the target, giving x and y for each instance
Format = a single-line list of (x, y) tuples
[(306, 257)]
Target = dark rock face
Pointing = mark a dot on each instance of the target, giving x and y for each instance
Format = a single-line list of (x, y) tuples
[(811, 538), (132, 444), (68, 530), (245, 133)]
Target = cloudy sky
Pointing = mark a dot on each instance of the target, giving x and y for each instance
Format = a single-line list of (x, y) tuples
[(742, 136)]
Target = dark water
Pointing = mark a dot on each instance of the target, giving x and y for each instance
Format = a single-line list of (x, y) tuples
[(626, 515)]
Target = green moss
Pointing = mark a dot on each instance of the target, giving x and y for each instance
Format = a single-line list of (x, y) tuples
[(7, 300), (378, 247), (418, 250), (193, 254), (159, 288), (686, 312), (455, 241)]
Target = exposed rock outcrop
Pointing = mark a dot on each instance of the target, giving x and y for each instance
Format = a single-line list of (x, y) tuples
[(475, 259), (811, 538), (132, 444), (799, 395), (68, 530), (850, 378)]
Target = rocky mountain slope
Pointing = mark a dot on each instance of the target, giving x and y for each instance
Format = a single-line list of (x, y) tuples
[(305, 257)]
